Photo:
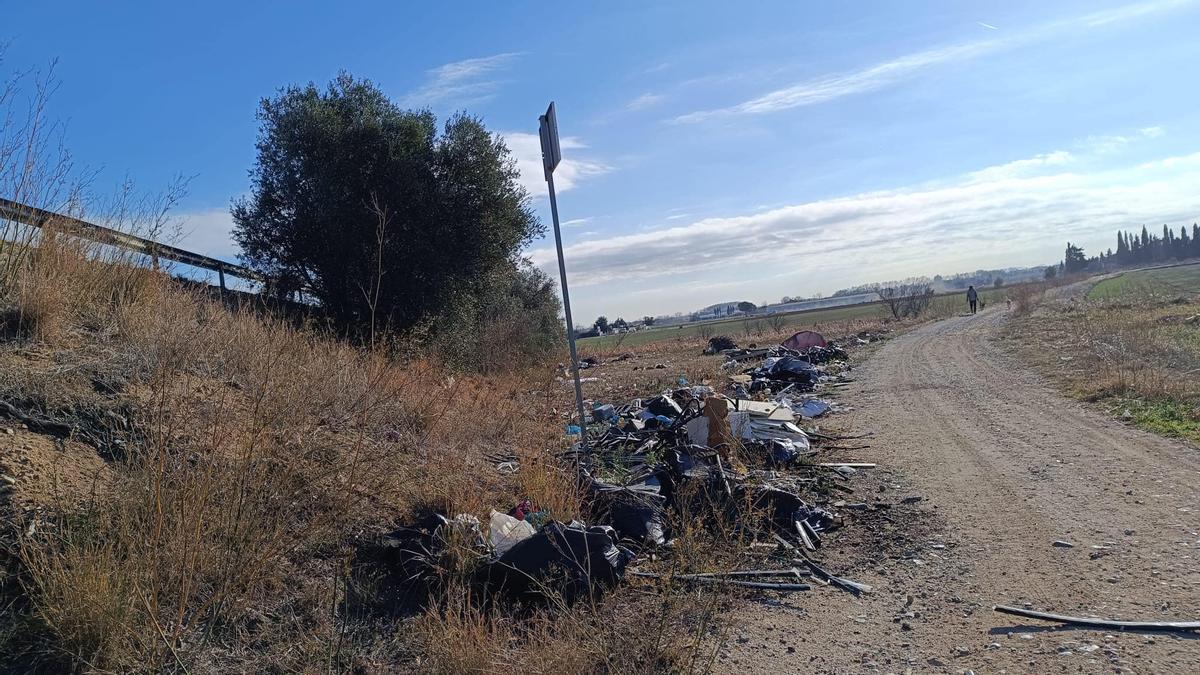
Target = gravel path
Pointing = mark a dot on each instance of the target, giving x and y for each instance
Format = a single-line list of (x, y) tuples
[(1005, 467)]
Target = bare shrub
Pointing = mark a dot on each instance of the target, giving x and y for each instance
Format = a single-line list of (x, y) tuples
[(1026, 297), (906, 300)]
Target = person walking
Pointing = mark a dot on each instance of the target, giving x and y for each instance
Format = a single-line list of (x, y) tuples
[(972, 298)]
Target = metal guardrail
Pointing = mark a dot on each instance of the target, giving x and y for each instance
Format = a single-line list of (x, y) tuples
[(35, 217)]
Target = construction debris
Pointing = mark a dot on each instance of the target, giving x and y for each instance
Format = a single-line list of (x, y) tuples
[(692, 453), (1100, 623)]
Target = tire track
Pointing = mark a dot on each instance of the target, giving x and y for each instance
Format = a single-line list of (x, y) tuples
[(1010, 466)]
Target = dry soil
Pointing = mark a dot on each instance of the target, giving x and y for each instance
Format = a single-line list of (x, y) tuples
[(1005, 467)]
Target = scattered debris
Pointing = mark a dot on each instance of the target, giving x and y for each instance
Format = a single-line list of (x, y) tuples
[(1099, 623), (735, 454)]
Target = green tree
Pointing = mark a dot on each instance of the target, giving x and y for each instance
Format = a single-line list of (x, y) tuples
[(601, 324), (747, 306), (1074, 260), (353, 198), (648, 320)]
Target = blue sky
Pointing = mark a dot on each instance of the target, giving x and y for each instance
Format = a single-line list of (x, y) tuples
[(712, 151)]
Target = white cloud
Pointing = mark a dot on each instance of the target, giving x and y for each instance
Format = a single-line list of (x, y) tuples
[(576, 222), (644, 101), (888, 73), (1113, 143), (467, 81), (1129, 12), (208, 232), (571, 171), (1022, 167), (829, 87), (983, 215)]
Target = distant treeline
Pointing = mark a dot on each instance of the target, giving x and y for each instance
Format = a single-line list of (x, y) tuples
[(952, 282), (1137, 249)]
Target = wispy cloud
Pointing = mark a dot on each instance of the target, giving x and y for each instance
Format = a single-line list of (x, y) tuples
[(1022, 167), (574, 169), (644, 101), (1129, 12), (831, 87), (1113, 143), (467, 81), (887, 73), (987, 25), (998, 209), (576, 222)]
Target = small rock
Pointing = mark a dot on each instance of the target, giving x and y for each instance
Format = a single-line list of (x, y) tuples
[(936, 662), (1063, 544), (9, 431), (7, 479), (961, 651)]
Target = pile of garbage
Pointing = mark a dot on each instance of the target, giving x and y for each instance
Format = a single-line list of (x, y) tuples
[(742, 452)]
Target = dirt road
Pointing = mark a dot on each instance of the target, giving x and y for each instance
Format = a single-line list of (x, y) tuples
[(1005, 467)]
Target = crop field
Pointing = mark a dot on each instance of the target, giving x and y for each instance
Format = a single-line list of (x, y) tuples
[(943, 305), (1182, 278)]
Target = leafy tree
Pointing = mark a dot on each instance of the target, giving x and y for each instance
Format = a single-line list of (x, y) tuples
[(648, 320), (747, 306), (601, 324), (1051, 272), (1075, 260), (620, 323), (353, 198)]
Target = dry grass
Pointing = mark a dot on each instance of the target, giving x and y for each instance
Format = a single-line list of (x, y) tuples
[(1133, 352), (250, 458)]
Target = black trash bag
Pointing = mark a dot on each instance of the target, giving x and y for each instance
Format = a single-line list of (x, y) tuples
[(793, 369), (719, 343), (636, 512), (568, 561), (665, 406), (398, 572)]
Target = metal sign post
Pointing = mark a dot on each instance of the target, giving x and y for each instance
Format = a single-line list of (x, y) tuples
[(551, 156)]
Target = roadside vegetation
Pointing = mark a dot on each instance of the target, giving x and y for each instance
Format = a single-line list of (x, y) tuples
[(188, 485), (1131, 345)]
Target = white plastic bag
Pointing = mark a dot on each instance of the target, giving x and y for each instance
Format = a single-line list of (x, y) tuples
[(506, 531)]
